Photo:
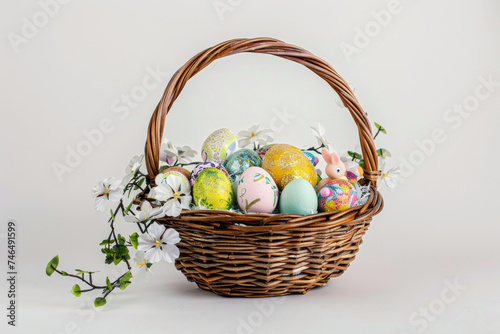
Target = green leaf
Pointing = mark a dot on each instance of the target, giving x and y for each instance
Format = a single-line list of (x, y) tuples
[(64, 273), (355, 155), (121, 240), (383, 153), (125, 280), (106, 242), (134, 240), (108, 284), (79, 272), (362, 163), (52, 265), (99, 301), (112, 214), (141, 181), (380, 128), (128, 208), (162, 168), (76, 291), (127, 276), (124, 285)]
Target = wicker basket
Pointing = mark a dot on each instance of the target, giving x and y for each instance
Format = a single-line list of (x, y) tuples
[(266, 255)]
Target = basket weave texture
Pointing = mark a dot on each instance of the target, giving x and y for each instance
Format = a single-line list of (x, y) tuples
[(262, 255)]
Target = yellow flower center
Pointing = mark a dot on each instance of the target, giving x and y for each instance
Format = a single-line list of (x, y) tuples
[(177, 194), (157, 243), (143, 263), (253, 134)]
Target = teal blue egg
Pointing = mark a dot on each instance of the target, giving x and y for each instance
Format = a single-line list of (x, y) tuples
[(240, 160), (298, 197)]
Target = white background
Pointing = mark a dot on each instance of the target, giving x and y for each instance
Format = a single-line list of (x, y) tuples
[(440, 225)]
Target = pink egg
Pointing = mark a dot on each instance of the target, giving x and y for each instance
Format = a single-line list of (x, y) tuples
[(257, 191)]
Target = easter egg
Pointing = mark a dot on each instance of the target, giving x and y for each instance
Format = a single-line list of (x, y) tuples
[(168, 172), (213, 189), (299, 198), (257, 191), (263, 150), (219, 145), (337, 195), (201, 166), (240, 160), (286, 163), (181, 170), (312, 159)]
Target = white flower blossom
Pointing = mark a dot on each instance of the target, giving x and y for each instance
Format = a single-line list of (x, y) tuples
[(159, 242), (389, 177), (140, 262), (172, 191), (319, 133), (254, 135), (107, 190), (175, 154), (147, 213), (132, 168)]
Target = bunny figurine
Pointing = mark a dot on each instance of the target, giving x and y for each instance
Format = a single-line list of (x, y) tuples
[(336, 192), (335, 168)]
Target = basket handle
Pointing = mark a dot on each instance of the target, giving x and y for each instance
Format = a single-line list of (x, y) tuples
[(267, 46)]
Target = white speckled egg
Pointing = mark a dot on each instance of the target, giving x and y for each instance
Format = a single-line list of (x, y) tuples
[(257, 191), (219, 145)]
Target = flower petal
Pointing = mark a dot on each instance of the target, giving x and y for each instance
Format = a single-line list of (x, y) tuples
[(154, 255), (155, 231), (172, 208), (174, 181), (186, 201), (171, 236), (170, 252), (146, 207), (100, 203), (164, 192), (145, 242), (131, 219)]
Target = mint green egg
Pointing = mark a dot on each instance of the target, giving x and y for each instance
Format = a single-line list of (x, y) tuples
[(298, 197)]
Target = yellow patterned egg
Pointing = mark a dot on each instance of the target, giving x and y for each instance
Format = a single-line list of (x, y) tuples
[(286, 163), (219, 145), (213, 190)]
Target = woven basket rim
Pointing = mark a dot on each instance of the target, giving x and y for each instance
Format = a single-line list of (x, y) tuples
[(260, 222)]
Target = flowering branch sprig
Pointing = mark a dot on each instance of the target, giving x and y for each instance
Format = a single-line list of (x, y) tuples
[(154, 241)]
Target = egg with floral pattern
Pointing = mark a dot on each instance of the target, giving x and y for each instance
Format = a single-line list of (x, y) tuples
[(241, 160), (286, 163), (219, 145), (337, 195), (257, 191), (213, 190), (201, 166)]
